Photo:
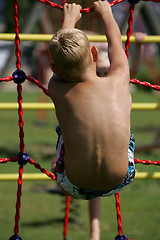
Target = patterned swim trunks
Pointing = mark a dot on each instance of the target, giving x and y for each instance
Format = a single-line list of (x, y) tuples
[(81, 193)]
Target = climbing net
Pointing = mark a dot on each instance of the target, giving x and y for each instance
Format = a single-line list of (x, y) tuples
[(19, 76)]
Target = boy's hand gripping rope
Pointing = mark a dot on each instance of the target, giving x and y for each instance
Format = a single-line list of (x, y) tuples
[(89, 10), (85, 10)]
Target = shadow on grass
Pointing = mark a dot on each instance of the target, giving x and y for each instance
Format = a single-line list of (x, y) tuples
[(53, 221), (148, 128), (8, 152), (43, 223)]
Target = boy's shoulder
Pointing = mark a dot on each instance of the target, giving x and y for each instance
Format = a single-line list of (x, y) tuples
[(56, 79), (53, 84), (58, 86)]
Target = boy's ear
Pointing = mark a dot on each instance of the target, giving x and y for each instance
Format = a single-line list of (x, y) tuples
[(94, 51), (55, 70)]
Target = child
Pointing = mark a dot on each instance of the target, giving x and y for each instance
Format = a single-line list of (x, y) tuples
[(95, 155)]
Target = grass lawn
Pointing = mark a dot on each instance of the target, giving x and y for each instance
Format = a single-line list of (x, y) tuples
[(42, 213)]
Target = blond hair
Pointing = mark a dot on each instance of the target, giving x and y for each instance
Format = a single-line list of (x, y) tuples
[(70, 50)]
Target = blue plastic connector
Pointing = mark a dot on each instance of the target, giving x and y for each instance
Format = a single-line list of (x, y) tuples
[(24, 158), (14, 237), (121, 237), (19, 76)]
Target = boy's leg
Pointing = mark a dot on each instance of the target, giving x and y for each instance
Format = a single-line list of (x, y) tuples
[(94, 216)]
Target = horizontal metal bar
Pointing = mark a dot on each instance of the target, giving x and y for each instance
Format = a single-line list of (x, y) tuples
[(27, 106), (146, 175), (50, 106), (41, 176), (26, 176), (145, 106), (92, 38)]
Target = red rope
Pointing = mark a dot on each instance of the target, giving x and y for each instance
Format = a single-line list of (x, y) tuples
[(66, 219), (119, 217), (6, 79), (20, 113), (5, 160), (17, 38), (129, 30), (18, 203), (114, 2), (38, 166), (146, 84), (43, 170), (63, 2), (31, 79), (118, 206), (51, 4), (85, 10), (147, 162)]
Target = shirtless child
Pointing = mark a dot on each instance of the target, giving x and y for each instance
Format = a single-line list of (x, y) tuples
[(95, 155)]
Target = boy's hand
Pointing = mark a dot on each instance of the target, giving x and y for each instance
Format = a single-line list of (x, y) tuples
[(71, 15), (102, 7), (140, 36)]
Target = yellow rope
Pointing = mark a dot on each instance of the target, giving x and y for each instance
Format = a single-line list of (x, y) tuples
[(145, 106), (92, 38), (50, 106), (41, 176), (26, 176), (27, 106)]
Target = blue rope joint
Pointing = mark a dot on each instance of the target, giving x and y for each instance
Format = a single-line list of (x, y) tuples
[(121, 237), (24, 158), (19, 76), (14, 237)]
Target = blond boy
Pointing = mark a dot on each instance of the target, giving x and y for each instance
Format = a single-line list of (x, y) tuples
[(95, 146)]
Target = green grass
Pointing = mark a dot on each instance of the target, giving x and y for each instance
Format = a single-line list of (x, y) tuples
[(42, 213)]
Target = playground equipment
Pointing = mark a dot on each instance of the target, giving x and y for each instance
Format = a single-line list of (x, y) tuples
[(18, 77)]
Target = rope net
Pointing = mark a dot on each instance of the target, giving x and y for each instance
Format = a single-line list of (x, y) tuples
[(19, 77)]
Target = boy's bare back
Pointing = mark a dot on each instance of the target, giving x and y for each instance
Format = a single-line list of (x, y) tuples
[(94, 117)]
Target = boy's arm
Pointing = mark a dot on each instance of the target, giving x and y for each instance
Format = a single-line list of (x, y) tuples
[(137, 53), (71, 15), (116, 54)]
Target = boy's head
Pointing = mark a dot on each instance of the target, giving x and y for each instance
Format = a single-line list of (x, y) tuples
[(71, 52)]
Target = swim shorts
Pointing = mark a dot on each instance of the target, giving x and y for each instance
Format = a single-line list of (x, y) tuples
[(81, 193)]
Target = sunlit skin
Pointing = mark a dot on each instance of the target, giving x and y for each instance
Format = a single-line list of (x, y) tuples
[(94, 112)]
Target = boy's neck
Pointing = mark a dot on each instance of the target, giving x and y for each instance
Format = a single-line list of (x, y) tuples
[(84, 76)]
